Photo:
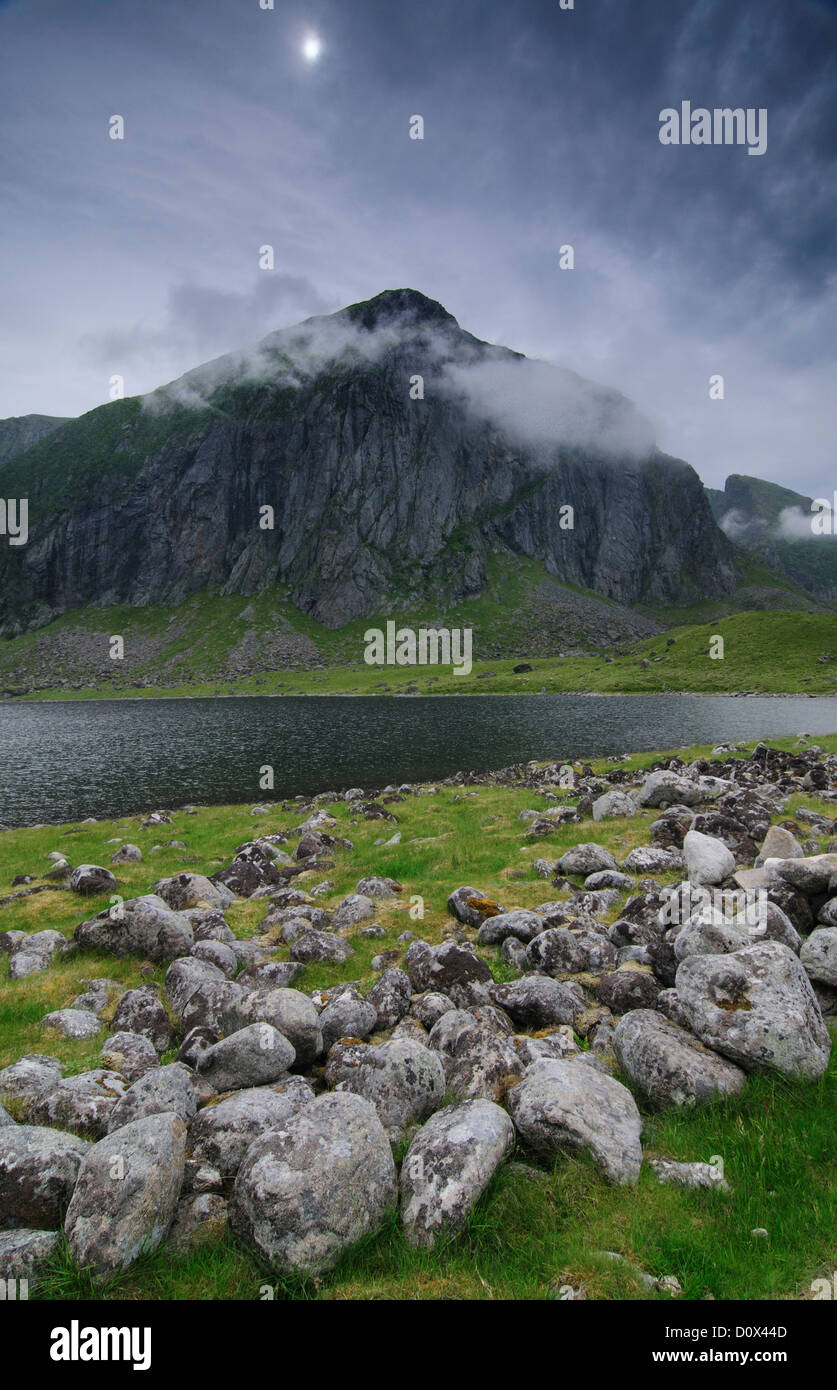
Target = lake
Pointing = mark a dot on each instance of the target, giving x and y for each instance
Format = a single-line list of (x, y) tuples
[(61, 762)]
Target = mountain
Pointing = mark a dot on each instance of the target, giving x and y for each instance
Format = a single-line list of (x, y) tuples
[(398, 452), (775, 523), (22, 431)]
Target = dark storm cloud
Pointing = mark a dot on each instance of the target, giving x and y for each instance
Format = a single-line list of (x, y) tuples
[(541, 130)]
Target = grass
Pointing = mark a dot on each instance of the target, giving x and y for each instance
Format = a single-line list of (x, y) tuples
[(763, 652), (538, 1227)]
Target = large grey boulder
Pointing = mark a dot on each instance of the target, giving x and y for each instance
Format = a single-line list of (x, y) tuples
[(35, 953), (448, 969), (668, 788), (222, 1132), (402, 1079), (292, 1014), (38, 1171), (390, 997), (756, 1007), (448, 1166), (522, 925), (706, 935), (668, 1066), (537, 1001), (82, 1103), (315, 947), (478, 1064), (352, 910), (563, 951), (613, 803), (347, 1016), (564, 1105), (29, 1077), (779, 844), (471, 907), (161, 1090), (144, 926), (707, 860), (184, 977), (586, 859), (254, 1056), (140, 1011), (92, 878), (186, 891), (306, 1192), (818, 955), (810, 875), (130, 1054), (23, 1255), (73, 1023), (126, 1194)]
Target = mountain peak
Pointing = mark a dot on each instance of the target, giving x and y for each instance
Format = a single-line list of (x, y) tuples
[(398, 304)]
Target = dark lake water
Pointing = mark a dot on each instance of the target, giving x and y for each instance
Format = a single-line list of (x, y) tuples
[(61, 762)]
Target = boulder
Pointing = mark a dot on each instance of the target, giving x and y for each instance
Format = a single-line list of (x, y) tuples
[(537, 1001), (347, 1016), (779, 844), (140, 1011), (708, 860), (448, 969), (668, 1066), (613, 803), (159, 1091), (23, 1255), (585, 859), (292, 1014), (112, 1220), (38, 1171), (35, 953), (253, 1056), (756, 1007), (185, 891), (314, 947), (306, 1192), (562, 1105), (352, 910), (29, 1077), (628, 987), (562, 951), (73, 1023), (471, 907), (144, 926), (448, 1166), (92, 878), (667, 788), (200, 1219), (403, 1080), (390, 998), (82, 1103), (222, 1132), (519, 924), (130, 1054), (478, 1064), (819, 956)]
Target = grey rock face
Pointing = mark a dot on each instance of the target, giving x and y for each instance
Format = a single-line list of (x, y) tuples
[(130, 1054), (143, 926), (536, 1001), (306, 1192), (254, 1056), (818, 955), (161, 1090), (112, 1220), (756, 1007), (38, 1171), (81, 1104), (448, 1166), (384, 471), (567, 1106), (402, 1079), (669, 1066), (478, 1063), (221, 1133)]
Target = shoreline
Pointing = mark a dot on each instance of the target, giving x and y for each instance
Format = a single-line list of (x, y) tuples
[(422, 695)]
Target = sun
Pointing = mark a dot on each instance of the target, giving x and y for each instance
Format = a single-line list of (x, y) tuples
[(312, 48)]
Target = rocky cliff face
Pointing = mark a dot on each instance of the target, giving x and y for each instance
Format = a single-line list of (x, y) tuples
[(22, 431), (384, 487)]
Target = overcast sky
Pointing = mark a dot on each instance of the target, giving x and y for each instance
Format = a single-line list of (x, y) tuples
[(140, 257)]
